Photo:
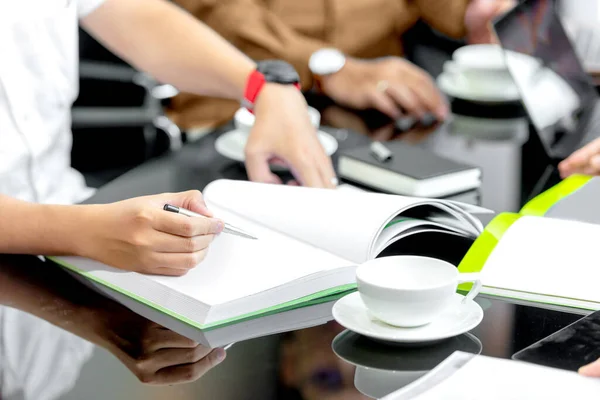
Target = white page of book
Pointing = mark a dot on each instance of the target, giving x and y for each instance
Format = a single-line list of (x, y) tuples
[(233, 269), (547, 256), (236, 267), (343, 222), (498, 379)]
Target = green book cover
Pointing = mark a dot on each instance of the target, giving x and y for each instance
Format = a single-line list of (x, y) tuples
[(306, 301), (484, 245)]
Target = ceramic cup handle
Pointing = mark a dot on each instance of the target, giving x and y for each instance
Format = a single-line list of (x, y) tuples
[(473, 278)]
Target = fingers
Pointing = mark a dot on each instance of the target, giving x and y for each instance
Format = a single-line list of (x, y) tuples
[(189, 372), (323, 161), (427, 94), (417, 100), (432, 100), (591, 370), (578, 159), (172, 264), (409, 89), (192, 200), (257, 166), (169, 357), (162, 338), (310, 165), (407, 99), (302, 151), (167, 243), (328, 175), (305, 169), (181, 225), (593, 167), (567, 167), (289, 136), (584, 160), (383, 102)]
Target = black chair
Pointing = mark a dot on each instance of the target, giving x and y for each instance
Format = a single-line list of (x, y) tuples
[(118, 120)]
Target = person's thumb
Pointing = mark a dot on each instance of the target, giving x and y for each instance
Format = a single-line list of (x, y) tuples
[(191, 200), (592, 369), (257, 167)]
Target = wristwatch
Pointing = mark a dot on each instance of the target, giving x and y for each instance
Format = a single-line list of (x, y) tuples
[(325, 62), (275, 71)]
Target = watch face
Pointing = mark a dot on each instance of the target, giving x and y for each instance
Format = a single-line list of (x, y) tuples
[(326, 61), (278, 71)]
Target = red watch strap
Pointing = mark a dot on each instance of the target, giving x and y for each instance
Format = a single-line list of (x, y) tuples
[(255, 82), (254, 85)]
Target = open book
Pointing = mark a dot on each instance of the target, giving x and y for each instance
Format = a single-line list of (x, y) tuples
[(469, 376), (309, 244), (548, 252)]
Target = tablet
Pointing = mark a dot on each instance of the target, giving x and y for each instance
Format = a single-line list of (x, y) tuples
[(570, 348), (557, 92)]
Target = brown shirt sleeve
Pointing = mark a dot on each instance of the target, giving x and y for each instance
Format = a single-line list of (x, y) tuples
[(254, 29), (447, 16)]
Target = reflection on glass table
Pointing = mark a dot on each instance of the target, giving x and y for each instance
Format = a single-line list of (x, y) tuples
[(498, 144), (309, 369), (38, 361), (382, 368), (49, 323)]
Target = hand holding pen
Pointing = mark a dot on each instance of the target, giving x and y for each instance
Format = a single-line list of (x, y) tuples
[(138, 235), (227, 227)]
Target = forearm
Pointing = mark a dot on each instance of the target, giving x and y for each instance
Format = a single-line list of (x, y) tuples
[(29, 228), (43, 290), (172, 46)]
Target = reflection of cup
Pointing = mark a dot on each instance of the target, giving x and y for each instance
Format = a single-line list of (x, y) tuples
[(244, 119), (377, 383), (383, 368), (480, 69), (410, 291), (487, 129)]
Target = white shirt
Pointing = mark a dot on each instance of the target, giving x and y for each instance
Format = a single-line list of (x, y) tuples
[(38, 84)]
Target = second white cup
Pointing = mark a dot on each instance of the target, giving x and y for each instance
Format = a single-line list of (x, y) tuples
[(480, 69)]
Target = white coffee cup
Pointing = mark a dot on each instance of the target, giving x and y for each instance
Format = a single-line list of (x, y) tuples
[(244, 119), (410, 291), (481, 69)]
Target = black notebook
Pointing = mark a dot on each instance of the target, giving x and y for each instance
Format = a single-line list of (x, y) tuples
[(411, 171)]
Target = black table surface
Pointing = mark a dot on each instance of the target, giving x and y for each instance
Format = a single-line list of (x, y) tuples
[(300, 364)]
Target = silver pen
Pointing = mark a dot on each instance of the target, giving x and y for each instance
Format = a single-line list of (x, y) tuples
[(227, 228)]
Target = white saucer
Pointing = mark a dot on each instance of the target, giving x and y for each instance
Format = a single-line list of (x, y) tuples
[(231, 144), (351, 313), (448, 86)]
